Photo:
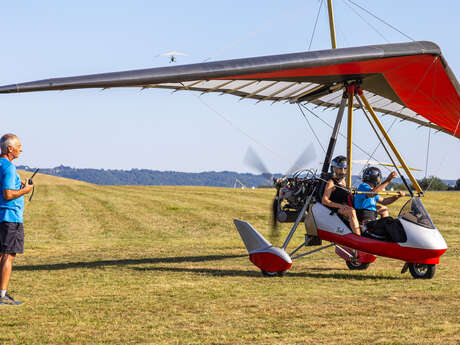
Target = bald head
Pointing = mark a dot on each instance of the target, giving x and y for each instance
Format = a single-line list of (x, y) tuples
[(6, 141)]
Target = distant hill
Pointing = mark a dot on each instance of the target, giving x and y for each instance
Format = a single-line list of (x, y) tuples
[(146, 177)]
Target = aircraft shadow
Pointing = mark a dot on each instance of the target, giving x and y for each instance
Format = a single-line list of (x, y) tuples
[(257, 273), (338, 275), (318, 271), (124, 262), (207, 271)]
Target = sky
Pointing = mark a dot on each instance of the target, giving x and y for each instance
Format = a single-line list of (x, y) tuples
[(157, 129)]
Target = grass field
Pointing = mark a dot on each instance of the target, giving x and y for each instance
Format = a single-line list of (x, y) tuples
[(165, 265)]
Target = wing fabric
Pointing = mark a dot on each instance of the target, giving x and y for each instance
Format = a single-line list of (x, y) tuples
[(411, 81)]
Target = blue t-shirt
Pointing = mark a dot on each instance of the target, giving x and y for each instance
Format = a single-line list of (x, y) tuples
[(364, 202), (10, 210)]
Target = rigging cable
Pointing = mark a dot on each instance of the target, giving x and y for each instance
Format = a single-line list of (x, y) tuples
[(410, 97), (427, 152), (365, 21), (445, 156), (316, 22), (266, 25), (429, 130), (383, 145), (341, 33), (341, 134), (311, 128), (384, 22), (223, 117), (378, 145)]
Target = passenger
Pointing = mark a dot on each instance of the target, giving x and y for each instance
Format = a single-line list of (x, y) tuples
[(366, 204), (336, 195)]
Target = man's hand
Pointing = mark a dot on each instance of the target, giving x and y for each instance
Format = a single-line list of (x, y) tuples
[(401, 193), (391, 176), (10, 194), (346, 208), (27, 187)]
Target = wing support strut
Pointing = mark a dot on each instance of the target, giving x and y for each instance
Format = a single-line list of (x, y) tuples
[(335, 132), (390, 143), (351, 92)]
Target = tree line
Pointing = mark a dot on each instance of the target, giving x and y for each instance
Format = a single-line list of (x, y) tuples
[(146, 177), (431, 183)]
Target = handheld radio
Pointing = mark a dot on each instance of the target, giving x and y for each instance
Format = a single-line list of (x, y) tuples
[(31, 178), (31, 182)]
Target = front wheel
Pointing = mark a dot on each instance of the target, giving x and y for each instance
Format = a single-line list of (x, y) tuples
[(357, 266), (422, 271)]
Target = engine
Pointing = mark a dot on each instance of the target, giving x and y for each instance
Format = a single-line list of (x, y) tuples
[(291, 195)]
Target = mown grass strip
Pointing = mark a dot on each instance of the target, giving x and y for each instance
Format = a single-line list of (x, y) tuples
[(164, 265)]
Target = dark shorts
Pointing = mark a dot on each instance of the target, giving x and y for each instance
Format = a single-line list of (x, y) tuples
[(365, 216), (11, 238)]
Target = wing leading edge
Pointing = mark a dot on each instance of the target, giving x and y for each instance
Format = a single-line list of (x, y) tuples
[(411, 81)]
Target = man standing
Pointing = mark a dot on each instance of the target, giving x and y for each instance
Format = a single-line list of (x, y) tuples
[(11, 212)]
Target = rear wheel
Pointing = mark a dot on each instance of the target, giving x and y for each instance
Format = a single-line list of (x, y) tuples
[(357, 266), (272, 274), (422, 271)]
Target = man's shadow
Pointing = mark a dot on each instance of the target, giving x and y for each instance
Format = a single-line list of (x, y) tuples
[(124, 262)]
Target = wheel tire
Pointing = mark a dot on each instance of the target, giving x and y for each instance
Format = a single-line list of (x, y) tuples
[(355, 266), (272, 274), (268, 273), (422, 271)]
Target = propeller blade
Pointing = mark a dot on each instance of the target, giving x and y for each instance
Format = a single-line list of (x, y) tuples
[(306, 157), (275, 212), (275, 206), (253, 160)]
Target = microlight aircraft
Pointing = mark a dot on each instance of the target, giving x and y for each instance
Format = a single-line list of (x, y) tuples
[(411, 81)]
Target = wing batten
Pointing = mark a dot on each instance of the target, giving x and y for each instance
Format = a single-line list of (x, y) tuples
[(260, 90), (278, 91), (289, 95)]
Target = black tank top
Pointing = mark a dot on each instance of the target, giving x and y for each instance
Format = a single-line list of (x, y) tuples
[(339, 195)]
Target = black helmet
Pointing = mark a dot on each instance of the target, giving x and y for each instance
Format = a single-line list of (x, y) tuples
[(339, 162), (372, 175)]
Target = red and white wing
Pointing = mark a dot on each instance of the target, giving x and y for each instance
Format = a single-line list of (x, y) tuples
[(411, 81)]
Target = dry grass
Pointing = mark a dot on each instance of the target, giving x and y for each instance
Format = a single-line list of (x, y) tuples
[(164, 265)]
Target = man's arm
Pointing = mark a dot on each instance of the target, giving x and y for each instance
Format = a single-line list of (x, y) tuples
[(10, 194), (326, 201), (391, 199), (385, 183)]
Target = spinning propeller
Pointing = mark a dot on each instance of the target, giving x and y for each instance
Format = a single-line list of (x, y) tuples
[(253, 160), (306, 157)]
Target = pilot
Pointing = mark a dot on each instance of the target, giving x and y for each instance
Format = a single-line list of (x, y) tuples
[(337, 197), (366, 204)]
